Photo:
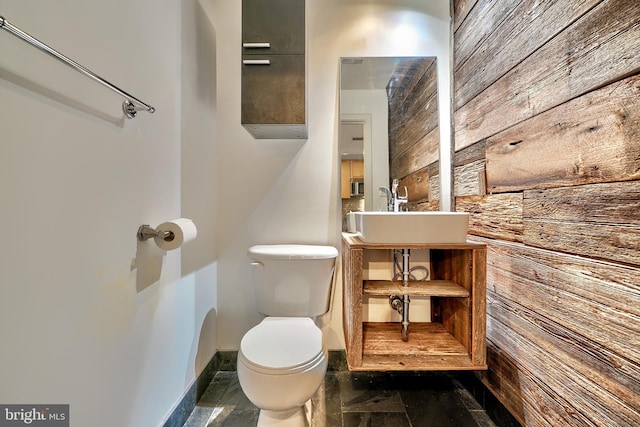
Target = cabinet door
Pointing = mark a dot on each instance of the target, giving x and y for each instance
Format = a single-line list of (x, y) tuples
[(273, 92), (281, 23), (357, 169), (345, 179)]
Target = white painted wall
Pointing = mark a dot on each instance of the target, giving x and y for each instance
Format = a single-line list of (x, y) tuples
[(277, 191), (82, 319)]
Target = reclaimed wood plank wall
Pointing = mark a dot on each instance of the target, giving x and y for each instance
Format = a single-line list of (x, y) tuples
[(547, 162), (414, 136)]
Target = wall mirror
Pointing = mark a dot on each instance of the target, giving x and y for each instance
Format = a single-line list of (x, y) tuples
[(388, 130)]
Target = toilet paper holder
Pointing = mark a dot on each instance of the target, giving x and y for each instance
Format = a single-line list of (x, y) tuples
[(146, 232)]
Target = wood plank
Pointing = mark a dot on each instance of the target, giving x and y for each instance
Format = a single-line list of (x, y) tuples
[(417, 184), (551, 392), (425, 339), (567, 143), (434, 190), (469, 179), (496, 215), (599, 220), (417, 363), (533, 403), (419, 155), (594, 299), (461, 9), (607, 386), (418, 288), (413, 94), (413, 120), (430, 347), (453, 265), (412, 75), (518, 30), (455, 314), (562, 331), (478, 25), (470, 154), (478, 305), (599, 48), (354, 242), (352, 297), (431, 206), (615, 203), (515, 387)]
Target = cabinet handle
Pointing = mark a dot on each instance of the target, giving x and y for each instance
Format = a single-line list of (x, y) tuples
[(260, 45), (256, 62)]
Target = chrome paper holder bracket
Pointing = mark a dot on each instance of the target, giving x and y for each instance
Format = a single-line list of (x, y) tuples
[(146, 232)]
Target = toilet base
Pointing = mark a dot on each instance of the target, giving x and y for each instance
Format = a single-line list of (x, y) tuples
[(296, 417)]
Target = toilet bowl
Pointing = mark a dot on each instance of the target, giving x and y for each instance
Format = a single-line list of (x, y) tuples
[(282, 360), (281, 363)]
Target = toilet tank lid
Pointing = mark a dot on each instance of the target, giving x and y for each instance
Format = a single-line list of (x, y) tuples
[(292, 252)]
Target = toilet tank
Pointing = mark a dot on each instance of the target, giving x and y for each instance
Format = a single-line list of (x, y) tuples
[(292, 280)]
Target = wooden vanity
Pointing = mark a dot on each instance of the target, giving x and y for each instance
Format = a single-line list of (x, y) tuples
[(455, 337)]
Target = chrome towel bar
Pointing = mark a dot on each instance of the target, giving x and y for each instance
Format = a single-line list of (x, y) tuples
[(130, 106)]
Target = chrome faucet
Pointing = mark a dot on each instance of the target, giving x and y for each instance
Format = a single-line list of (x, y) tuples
[(397, 199)]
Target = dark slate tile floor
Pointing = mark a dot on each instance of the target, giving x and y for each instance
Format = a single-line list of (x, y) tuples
[(350, 399)]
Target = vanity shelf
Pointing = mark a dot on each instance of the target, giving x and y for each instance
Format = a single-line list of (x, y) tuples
[(455, 337), (416, 288)]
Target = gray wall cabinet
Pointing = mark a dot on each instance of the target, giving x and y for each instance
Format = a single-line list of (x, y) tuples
[(273, 69)]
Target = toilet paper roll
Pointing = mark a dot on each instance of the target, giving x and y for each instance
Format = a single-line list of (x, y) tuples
[(182, 230)]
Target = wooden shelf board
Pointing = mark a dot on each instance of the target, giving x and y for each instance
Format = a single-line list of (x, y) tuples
[(422, 288), (417, 363), (385, 338), (430, 347)]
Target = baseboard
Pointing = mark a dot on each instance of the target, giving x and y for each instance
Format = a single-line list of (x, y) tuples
[(192, 395)]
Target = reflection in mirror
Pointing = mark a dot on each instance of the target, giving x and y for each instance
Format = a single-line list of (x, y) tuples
[(388, 130)]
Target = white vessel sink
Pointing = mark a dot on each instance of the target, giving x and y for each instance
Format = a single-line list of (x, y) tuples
[(412, 227), (351, 222)]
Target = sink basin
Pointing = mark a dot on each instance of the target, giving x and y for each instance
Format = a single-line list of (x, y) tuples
[(351, 222), (412, 227)]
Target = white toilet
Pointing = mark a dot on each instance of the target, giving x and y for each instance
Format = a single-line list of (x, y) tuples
[(282, 361)]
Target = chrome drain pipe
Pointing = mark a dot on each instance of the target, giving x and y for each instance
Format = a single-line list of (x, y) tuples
[(405, 298)]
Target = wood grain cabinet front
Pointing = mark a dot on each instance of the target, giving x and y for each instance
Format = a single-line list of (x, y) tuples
[(454, 339)]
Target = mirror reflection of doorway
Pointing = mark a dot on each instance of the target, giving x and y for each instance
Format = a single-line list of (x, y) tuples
[(352, 166)]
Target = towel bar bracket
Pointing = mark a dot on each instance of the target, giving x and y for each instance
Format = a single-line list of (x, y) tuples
[(130, 109)]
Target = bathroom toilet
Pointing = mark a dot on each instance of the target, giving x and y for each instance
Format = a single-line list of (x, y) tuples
[(282, 361)]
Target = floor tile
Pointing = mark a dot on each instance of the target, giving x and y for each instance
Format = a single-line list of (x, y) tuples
[(375, 419), (355, 399)]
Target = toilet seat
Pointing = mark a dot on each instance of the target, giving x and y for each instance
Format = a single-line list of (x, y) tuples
[(282, 345)]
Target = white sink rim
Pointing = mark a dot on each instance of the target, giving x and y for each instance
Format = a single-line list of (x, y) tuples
[(412, 227)]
